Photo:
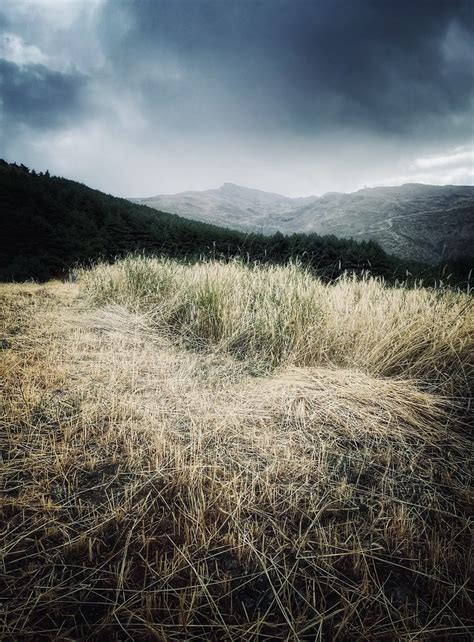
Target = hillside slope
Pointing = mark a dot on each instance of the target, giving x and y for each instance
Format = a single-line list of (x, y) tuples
[(427, 222), (49, 224), (414, 221)]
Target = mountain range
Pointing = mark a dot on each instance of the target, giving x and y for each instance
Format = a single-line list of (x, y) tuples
[(428, 223)]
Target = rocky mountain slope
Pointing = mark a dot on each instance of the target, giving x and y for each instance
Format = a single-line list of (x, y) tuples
[(231, 205), (414, 221)]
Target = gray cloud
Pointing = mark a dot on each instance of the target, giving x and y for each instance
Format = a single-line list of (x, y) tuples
[(296, 96), (296, 65), (37, 96)]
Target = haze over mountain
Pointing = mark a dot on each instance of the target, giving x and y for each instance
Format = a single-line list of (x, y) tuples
[(413, 221)]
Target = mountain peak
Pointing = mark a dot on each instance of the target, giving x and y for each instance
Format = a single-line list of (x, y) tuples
[(241, 189), (230, 184), (232, 187)]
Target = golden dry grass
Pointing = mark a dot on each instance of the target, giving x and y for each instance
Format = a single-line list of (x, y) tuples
[(274, 315), (256, 475)]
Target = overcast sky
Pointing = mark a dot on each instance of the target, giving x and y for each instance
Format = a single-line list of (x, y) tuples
[(140, 97)]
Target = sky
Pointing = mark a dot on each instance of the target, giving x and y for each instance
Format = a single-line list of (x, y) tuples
[(299, 97)]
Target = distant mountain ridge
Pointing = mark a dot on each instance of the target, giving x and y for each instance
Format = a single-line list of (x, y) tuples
[(413, 221), (230, 205)]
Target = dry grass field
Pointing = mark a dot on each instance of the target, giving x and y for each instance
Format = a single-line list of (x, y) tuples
[(221, 452)]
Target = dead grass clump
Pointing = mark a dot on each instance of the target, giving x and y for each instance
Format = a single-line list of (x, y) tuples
[(352, 403)]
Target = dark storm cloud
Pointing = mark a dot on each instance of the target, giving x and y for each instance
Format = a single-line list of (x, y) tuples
[(296, 64), (37, 96), (139, 97), (301, 66)]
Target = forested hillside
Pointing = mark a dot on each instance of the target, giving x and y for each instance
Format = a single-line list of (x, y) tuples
[(51, 224)]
